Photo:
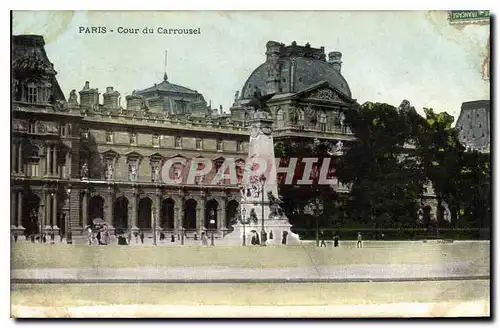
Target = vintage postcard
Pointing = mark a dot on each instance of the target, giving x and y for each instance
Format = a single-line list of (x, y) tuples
[(246, 164)]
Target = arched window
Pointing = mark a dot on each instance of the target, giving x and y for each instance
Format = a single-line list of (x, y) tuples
[(280, 118)]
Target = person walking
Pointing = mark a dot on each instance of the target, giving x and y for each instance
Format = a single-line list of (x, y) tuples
[(359, 243), (322, 237), (336, 240), (89, 231), (204, 240), (141, 235)]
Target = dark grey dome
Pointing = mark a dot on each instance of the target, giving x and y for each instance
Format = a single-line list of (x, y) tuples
[(306, 71)]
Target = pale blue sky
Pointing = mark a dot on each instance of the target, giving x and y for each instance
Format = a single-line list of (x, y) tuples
[(387, 56)]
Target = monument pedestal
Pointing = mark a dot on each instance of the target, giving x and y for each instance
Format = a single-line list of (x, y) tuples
[(260, 180)]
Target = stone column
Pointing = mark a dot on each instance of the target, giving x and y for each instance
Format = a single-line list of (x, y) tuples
[(54, 211), (48, 205), (68, 164), (221, 217), (134, 211), (19, 209), (48, 159), (200, 215), (13, 196), (177, 218), (13, 159), (54, 160), (157, 205), (20, 159), (110, 211), (85, 205)]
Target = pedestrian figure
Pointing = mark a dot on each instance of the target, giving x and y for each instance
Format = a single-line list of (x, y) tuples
[(106, 237), (336, 240), (322, 237), (141, 235), (89, 231), (15, 238), (162, 236), (44, 238), (204, 240), (359, 243), (98, 238), (136, 235), (283, 239), (32, 238), (172, 239)]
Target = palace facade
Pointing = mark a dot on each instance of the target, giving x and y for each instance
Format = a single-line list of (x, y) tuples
[(77, 159)]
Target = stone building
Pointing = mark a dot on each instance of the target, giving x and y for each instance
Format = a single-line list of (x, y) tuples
[(77, 159), (474, 125)]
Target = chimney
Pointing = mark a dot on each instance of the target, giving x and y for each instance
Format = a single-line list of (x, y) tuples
[(134, 102), (273, 49), (89, 97), (110, 98), (335, 59)]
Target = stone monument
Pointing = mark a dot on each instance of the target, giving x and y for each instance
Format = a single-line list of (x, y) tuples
[(259, 190)]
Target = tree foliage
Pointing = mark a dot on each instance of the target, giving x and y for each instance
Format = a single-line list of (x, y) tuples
[(395, 154)]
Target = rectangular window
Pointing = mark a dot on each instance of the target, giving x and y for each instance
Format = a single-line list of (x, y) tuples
[(220, 145), (63, 129), (32, 127), (322, 127), (199, 144), (32, 94), (85, 134), (109, 137), (178, 142), (156, 140), (133, 139)]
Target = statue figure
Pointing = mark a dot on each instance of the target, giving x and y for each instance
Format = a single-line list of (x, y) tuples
[(73, 97), (339, 146), (156, 174), (236, 96), (258, 101), (243, 192), (133, 172), (85, 171), (109, 171), (342, 119)]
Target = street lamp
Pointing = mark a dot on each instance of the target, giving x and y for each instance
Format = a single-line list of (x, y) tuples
[(40, 219), (263, 232), (68, 224), (244, 222), (212, 223), (154, 226)]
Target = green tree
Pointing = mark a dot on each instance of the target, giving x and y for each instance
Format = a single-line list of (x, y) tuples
[(386, 175)]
